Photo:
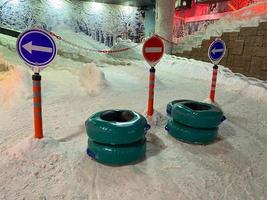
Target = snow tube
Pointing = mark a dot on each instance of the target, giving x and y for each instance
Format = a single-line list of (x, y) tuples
[(171, 104), (116, 127), (117, 154), (191, 135), (197, 114)]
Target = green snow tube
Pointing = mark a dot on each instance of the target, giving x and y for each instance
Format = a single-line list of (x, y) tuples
[(116, 127), (171, 104), (117, 154), (197, 114), (191, 135)]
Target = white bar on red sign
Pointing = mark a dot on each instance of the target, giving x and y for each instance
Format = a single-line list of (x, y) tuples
[(153, 49)]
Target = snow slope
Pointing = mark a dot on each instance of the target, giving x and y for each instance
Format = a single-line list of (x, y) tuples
[(57, 167)]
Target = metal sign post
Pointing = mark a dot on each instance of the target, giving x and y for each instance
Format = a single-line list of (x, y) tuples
[(37, 49), (153, 50), (216, 52)]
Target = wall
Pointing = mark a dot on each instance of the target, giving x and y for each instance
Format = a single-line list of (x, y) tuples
[(189, 21), (165, 11), (150, 22), (102, 22), (246, 51)]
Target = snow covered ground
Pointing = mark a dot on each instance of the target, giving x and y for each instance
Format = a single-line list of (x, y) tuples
[(57, 167)]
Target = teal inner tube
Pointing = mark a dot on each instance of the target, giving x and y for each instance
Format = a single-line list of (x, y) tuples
[(197, 114), (191, 135), (172, 103), (116, 127), (117, 154)]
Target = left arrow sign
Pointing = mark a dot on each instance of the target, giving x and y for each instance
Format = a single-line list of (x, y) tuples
[(30, 47), (214, 51)]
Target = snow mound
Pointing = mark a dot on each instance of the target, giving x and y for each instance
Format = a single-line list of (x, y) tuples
[(157, 119), (34, 162), (92, 79), (134, 52), (14, 84), (5, 65), (32, 146), (8, 42), (246, 86)]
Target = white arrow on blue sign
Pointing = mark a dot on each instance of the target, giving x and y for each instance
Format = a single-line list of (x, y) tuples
[(36, 47), (217, 51)]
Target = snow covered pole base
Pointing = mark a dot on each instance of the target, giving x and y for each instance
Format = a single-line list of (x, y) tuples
[(37, 105), (213, 83), (150, 109)]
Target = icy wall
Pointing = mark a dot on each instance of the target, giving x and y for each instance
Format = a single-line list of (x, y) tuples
[(103, 22)]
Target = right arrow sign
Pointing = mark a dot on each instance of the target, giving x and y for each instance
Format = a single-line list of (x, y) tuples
[(217, 51)]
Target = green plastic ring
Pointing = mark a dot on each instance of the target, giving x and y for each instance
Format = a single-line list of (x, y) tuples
[(172, 103), (197, 114), (191, 135), (108, 127), (117, 154)]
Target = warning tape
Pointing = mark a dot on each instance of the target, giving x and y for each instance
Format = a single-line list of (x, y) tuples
[(106, 51), (94, 50), (171, 42)]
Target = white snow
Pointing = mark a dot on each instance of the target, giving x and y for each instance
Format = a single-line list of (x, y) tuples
[(93, 79), (134, 51), (57, 167), (14, 83)]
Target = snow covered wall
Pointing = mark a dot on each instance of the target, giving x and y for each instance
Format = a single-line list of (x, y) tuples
[(103, 22)]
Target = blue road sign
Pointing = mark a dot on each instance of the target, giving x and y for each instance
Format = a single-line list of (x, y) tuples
[(217, 51), (36, 47)]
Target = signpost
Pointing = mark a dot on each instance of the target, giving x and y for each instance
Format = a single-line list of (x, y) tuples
[(216, 52), (153, 50), (37, 48)]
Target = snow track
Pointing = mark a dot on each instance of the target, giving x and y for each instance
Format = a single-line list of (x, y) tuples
[(234, 167)]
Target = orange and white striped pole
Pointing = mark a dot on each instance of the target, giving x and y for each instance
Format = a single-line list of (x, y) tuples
[(213, 83), (150, 109), (37, 105)]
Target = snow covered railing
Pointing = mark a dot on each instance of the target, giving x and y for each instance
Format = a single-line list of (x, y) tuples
[(9, 32)]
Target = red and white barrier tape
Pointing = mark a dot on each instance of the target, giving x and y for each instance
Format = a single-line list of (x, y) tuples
[(106, 51), (94, 50), (171, 42)]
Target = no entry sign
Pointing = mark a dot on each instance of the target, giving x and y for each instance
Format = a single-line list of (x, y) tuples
[(153, 50)]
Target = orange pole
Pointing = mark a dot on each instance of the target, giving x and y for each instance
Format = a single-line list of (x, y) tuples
[(213, 83), (150, 109), (37, 105)]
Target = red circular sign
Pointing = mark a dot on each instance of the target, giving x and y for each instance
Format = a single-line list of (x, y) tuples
[(153, 50)]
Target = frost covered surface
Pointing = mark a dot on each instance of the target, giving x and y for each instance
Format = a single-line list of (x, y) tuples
[(93, 79), (131, 53), (57, 167)]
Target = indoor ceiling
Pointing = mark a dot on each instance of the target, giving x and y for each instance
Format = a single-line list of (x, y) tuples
[(129, 2)]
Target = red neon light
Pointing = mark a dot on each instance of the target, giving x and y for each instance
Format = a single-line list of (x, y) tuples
[(231, 6), (205, 17), (257, 9)]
